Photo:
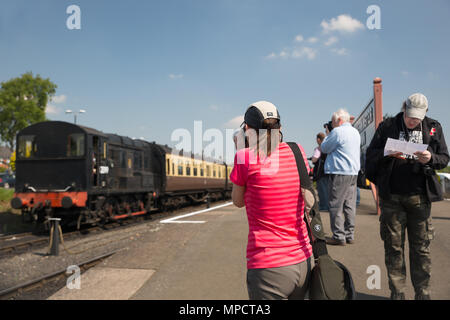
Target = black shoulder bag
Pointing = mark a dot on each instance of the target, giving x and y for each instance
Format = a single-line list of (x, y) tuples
[(330, 280)]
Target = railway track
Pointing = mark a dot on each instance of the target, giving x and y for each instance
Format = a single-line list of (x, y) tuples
[(14, 236), (42, 281)]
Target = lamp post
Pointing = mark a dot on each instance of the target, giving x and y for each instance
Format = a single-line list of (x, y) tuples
[(75, 114)]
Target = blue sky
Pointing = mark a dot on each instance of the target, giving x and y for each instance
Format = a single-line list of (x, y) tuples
[(147, 68)]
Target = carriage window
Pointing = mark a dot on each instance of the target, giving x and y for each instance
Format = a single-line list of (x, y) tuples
[(75, 145), (195, 171), (202, 172), (208, 171), (180, 169), (27, 147), (188, 169), (168, 167)]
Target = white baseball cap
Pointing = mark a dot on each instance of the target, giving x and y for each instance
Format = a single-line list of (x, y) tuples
[(258, 111), (416, 106)]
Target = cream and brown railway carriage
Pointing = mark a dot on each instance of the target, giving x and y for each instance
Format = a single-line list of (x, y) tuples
[(196, 177)]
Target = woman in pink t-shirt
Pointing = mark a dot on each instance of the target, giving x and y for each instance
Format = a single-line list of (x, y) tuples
[(265, 181)]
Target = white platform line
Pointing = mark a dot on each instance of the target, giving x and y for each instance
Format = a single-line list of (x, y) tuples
[(183, 221), (173, 220)]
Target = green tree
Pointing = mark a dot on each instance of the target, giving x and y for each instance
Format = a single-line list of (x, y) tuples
[(22, 102), (12, 161)]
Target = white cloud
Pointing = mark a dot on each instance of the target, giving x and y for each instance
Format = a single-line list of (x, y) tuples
[(405, 73), (299, 38), (271, 56), (309, 53), (343, 23), (297, 53), (214, 107), (176, 76), (50, 109), (331, 41), (59, 99), (313, 40), (284, 54), (234, 123), (341, 51)]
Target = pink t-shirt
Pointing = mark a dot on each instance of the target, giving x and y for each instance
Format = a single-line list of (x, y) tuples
[(316, 153), (277, 232)]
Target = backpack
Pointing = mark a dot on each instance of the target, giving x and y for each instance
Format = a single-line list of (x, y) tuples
[(319, 167)]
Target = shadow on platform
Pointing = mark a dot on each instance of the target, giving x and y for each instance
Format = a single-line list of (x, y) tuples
[(363, 296), (440, 218)]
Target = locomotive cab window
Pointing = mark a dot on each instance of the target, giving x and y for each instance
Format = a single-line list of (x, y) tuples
[(27, 147), (146, 161), (123, 161), (75, 145), (137, 160)]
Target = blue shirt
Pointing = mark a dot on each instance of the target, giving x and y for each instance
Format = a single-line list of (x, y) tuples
[(342, 146)]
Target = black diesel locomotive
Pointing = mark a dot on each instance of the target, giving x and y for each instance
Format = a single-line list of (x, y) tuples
[(85, 176)]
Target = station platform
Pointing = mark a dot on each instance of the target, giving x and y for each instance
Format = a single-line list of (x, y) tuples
[(202, 257)]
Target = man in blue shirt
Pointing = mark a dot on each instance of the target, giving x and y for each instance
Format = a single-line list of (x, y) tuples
[(342, 145)]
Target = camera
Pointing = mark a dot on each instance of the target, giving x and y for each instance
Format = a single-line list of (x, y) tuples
[(428, 170), (419, 168), (329, 126)]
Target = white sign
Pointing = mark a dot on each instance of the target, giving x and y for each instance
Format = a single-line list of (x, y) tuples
[(104, 170), (365, 124)]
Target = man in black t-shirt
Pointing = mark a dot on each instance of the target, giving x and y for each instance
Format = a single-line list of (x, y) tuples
[(402, 181), (407, 184)]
